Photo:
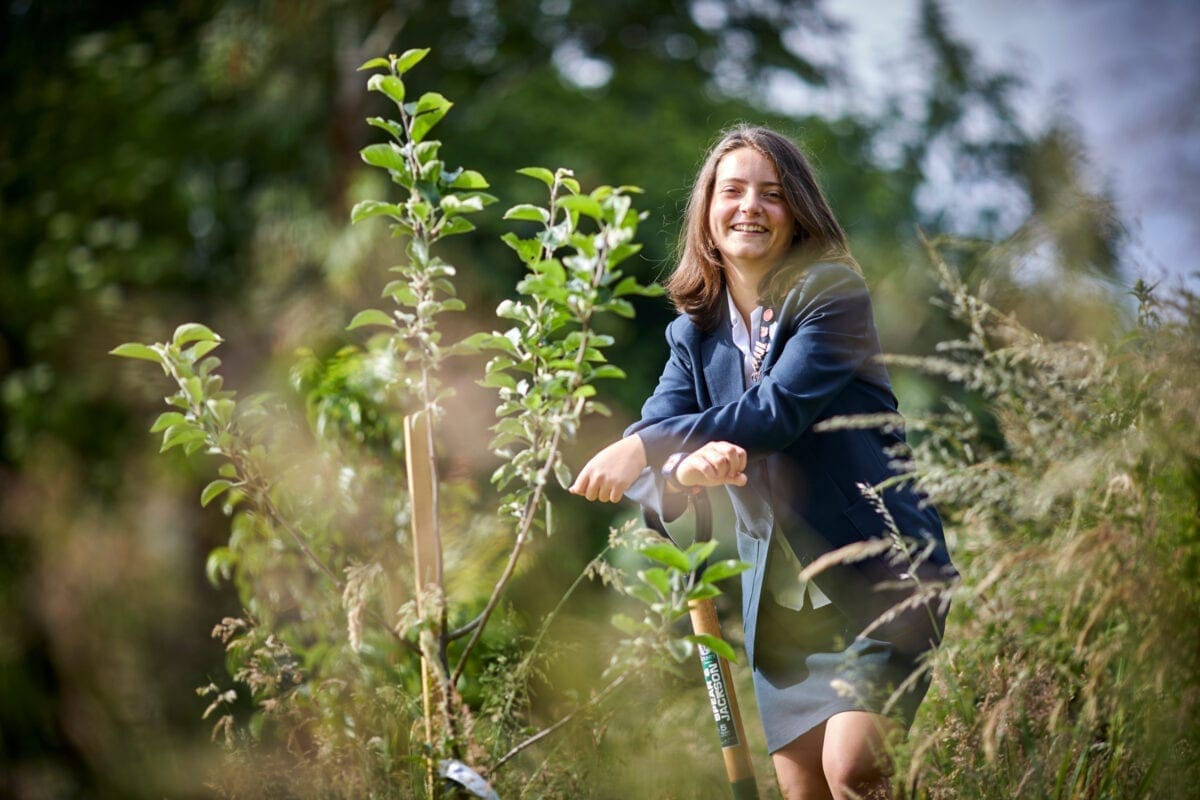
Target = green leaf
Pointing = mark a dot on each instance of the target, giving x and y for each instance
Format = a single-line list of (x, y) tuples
[(626, 624), (429, 111), (401, 292), (528, 250), (220, 564), (370, 316), (366, 209), (540, 173), (394, 128), (166, 420), (181, 436), (135, 350), (201, 349), (563, 474), (498, 380), (568, 182), (384, 155), (410, 58), (718, 646), (628, 285), (456, 225), (374, 63), (622, 308), (390, 85), (609, 371), (658, 578), (698, 552), (680, 649), (193, 389), (724, 569), (582, 204), (469, 179), (525, 211), (643, 593), (667, 554), (214, 490), (703, 591), (193, 332)]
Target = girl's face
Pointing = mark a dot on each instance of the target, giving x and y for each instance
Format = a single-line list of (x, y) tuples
[(748, 217)]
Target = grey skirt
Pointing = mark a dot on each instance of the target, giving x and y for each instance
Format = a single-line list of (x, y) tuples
[(809, 665)]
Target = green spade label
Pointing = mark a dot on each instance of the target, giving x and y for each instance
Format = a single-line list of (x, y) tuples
[(718, 697)]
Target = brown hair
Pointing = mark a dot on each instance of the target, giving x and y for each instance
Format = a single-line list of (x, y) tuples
[(696, 285)]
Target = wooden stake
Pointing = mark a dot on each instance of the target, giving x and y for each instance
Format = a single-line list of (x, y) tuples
[(427, 552)]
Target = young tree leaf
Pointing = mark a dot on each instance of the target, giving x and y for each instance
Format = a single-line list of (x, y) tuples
[(667, 554), (718, 646), (563, 474), (410, 58), (370, 316), (469, 179), (525, 211), (193, 332), (135, 350), (384, 155), (456, 225), (724, 569), (201, 349), (429, 111), (582, 204), (373, 208), (680, 649), (390, 85), (181, 436), (609, 371), (394, 128), (540, 173), (698, 552), (528, 250), (166, 420), (703, 591), (658, 578), (374, 63), (214, 490)]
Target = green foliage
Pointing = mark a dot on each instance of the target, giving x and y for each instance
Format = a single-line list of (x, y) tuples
[(665, 591), (198, 162), (1071, 501), (544, 368)]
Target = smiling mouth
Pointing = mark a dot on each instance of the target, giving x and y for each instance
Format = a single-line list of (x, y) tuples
[(747, 228)]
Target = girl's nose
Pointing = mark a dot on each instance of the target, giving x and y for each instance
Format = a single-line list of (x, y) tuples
[(749, 201)]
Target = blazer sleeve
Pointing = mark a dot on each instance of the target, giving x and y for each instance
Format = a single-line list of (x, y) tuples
[(830, 334), (674, 396)]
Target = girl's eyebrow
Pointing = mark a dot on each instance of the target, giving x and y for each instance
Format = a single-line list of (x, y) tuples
[(743, 180)]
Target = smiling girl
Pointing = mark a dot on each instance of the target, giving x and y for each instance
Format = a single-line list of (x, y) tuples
[(776, 333)]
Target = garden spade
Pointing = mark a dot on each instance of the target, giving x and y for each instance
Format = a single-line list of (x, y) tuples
[(717, 677)]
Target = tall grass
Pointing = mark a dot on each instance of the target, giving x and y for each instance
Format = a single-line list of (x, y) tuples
[(1071, 486)]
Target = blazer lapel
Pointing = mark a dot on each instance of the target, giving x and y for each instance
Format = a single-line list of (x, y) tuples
[(722, 364)]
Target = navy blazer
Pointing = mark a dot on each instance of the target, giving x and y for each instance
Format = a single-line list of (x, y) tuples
[(820, 364)]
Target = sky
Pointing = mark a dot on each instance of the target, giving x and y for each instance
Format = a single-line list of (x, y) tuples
[(1127, 72)]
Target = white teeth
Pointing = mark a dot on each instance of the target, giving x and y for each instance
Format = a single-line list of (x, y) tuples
[(750, 228)]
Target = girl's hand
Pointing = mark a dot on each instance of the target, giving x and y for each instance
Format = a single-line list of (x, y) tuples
[(607, 475), (714, 464)]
